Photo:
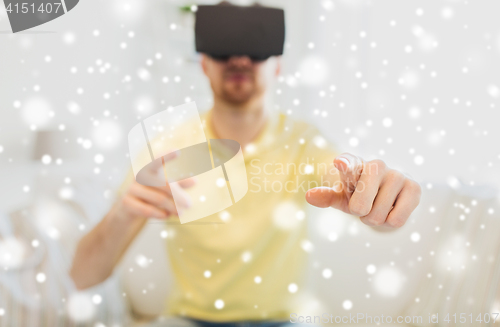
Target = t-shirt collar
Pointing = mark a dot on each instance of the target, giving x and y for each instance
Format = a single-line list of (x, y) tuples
[(265, 139)]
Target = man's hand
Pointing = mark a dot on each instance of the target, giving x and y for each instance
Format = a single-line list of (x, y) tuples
[(380, 196), (154, 202)]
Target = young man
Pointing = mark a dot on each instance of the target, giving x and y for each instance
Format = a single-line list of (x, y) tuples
[(253, 257)]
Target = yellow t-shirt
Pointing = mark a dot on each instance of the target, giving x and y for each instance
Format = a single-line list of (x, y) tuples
[(248, 266), (247, 262)]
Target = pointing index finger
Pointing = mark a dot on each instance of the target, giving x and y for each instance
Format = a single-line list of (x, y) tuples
[(350, 168)]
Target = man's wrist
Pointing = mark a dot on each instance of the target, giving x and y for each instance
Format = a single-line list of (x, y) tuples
[(124, 219)]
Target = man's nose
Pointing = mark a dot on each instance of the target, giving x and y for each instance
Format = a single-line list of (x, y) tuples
[(240, 61)]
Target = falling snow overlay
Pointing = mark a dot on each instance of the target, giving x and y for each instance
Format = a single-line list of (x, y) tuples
[(414, 83)]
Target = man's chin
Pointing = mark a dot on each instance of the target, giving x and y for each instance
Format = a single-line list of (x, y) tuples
[(238, 97), (237, 100)]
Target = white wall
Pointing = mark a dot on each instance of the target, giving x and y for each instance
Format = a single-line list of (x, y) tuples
[(465, 61)]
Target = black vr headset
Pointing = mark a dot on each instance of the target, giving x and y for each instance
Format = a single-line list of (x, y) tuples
[(225, 31)]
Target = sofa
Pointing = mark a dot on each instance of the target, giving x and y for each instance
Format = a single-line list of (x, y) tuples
[(444, 261)]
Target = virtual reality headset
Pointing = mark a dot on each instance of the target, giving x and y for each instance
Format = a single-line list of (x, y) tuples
[(225, 31)]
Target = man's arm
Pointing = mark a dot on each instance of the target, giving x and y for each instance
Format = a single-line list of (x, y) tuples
[(100, 250)]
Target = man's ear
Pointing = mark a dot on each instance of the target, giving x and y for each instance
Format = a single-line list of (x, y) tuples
[(278, 66), (203, 63)]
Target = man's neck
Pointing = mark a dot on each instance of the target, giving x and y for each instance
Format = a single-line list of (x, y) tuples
[(242, 123)]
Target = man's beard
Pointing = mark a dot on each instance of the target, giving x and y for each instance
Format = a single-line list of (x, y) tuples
[(237, 97), (238, 93)]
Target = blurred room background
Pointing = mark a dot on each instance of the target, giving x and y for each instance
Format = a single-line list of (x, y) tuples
[(414, 83)]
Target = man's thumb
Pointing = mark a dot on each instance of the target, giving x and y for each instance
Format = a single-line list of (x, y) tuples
[(324, 197)]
